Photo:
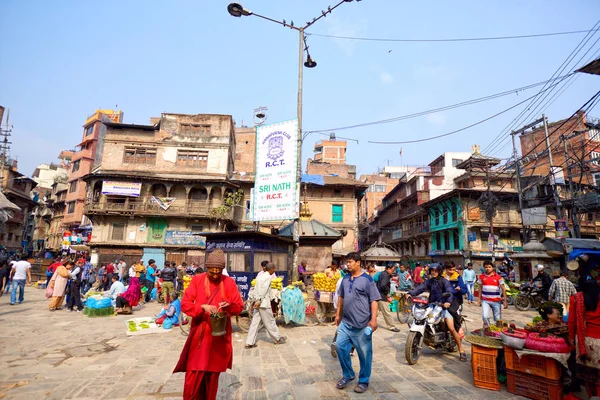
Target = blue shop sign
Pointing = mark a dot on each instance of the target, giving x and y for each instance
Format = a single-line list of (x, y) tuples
[(243, 280)]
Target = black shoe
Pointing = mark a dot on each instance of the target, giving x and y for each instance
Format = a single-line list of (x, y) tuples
[(333, 350)]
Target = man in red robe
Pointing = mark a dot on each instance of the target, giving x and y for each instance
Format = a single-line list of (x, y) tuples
[(205, 356)]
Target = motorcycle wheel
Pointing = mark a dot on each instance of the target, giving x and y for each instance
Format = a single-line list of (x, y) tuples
[(510, 300), (412, 351), (522, 303)]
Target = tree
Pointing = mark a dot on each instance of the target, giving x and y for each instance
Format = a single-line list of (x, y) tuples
[(225, 211)]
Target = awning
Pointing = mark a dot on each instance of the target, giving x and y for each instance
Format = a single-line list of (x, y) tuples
[(80, 247), (577, 252)]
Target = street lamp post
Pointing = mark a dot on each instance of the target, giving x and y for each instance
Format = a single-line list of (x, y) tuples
[(237, 10)]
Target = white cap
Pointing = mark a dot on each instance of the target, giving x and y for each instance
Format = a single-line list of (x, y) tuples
[(540, 267)]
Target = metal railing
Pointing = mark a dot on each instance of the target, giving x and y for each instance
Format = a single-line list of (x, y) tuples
[(147, 207)]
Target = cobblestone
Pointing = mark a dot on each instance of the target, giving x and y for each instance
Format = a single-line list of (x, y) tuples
[(62, 355)]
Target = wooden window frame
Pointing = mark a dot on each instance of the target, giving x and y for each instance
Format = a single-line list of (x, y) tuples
[(192, 158), (139, 155), (336, 215), (112, 231)]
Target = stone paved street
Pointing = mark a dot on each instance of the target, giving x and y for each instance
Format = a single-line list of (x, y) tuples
[(64, 355)]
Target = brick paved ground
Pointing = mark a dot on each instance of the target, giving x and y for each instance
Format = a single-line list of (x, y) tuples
[(65, 355)]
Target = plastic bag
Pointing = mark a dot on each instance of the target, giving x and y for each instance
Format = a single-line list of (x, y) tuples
[(95, 303), (153, 293)]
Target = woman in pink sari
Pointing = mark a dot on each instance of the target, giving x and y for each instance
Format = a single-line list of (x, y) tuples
[(59, 284), (130, 298)]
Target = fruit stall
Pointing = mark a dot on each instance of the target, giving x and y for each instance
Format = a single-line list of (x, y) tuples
[(245, 250), (324, 295), (531, 361)]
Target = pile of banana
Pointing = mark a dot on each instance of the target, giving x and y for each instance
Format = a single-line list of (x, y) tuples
[(186, 281), (276, 283), (322, 282)]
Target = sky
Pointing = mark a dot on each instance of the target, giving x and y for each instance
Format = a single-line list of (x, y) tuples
[(62, 60)]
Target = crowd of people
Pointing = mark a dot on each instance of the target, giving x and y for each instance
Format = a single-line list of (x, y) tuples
[(362, 292)]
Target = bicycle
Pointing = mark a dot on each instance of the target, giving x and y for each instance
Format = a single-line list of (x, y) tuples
[(403, 312)]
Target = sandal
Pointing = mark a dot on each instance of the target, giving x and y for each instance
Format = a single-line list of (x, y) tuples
[(463, 357), (361, 388), (342, 383), (250, 346)]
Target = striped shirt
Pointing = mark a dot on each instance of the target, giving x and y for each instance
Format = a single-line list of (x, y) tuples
[(491, 287)]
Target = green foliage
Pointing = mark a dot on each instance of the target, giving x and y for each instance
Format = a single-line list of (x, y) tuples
[(231, 200)]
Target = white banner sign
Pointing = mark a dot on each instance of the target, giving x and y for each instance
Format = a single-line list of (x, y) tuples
[(121, 188), (275, 194)]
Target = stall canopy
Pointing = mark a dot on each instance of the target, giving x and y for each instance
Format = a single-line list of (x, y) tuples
[(380, 253), (573, 247)]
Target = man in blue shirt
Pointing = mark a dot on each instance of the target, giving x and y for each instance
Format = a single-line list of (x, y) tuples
[(469, 277), (150, 278), (356, 318)]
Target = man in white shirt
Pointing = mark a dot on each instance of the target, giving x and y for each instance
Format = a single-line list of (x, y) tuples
[(263, 314), (116, 288), (19, 273), (263, 265), (121, 269)]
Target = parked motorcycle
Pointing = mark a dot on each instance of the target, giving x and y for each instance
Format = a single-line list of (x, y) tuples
[(529, 297), (428, 328)]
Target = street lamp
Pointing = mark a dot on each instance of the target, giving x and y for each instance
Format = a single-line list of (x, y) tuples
[(237, 10)]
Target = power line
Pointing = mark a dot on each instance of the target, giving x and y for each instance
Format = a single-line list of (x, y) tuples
[(444, 108), (475, 39), (466, 127), (515, 122)]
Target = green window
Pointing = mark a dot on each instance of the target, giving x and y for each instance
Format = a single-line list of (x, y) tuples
[(337, 213)]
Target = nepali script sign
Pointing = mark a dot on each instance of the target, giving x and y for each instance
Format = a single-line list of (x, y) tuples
[(275, 194), (121, 188)]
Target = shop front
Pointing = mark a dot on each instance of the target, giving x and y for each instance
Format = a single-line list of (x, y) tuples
[(441, 256), (245, 250)]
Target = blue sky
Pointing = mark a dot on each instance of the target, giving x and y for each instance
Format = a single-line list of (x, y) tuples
[(62, 60)]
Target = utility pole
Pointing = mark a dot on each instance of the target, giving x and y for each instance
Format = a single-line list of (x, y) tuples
[(554, 188), (519, 193), (574, 220), (4, 145), (524, 235)]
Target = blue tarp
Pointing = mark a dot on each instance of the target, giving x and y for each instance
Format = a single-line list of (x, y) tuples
[(577, 252), (314, 179)]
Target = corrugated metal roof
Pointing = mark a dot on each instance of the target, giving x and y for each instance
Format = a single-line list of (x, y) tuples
[(6, 204), (312, 228), (380, 253)]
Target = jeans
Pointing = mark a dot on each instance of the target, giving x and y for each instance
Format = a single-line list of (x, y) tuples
[(149, 286), (489, 306), (470, 289), (13, 295), (348, 337)]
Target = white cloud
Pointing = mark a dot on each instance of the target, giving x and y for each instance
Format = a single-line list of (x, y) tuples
[(385, 78), (437, 119)]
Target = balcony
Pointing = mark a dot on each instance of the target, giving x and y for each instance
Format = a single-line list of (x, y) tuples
[(139, 207), (416, 230)]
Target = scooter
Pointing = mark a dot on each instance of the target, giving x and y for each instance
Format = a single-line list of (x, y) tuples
[(428, 328)]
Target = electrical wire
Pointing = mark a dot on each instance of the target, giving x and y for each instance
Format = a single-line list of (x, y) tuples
[(474, 39), (466, 127), (515, 122), (444, 108)]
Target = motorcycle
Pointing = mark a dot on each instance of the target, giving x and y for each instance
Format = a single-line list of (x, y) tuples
[(429, 328), (529, 297)]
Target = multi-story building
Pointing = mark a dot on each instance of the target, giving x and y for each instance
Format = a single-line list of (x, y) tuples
[(330, 159), (89, 152), (56, 205), (158, 187), (16, 187), (458, 225)]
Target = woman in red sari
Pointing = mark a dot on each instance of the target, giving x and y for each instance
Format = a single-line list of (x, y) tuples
[(130, 298), (584, 332), (204, 356)]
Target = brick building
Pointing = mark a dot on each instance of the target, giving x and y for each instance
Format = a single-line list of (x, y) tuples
[(157, 187), (89, 152), (16, 187)]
